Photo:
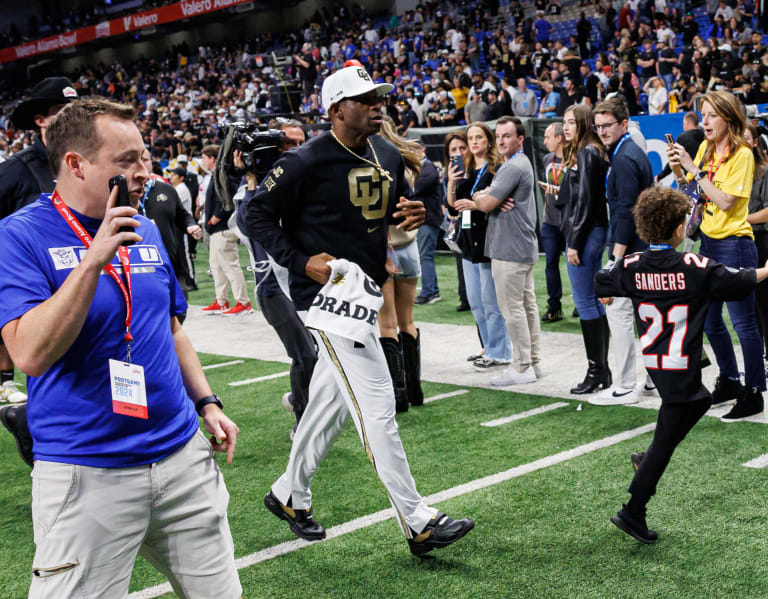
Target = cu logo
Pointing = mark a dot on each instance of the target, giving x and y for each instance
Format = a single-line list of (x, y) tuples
[(369, 192), (371, 288)]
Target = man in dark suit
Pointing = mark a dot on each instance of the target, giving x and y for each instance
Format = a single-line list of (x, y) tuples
[(162, 205), (630, 173)]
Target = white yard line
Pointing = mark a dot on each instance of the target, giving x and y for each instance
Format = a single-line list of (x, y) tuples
[(258, 379), (446, 395), (365, 521), (526, 414), (758, 462), (222, 364)]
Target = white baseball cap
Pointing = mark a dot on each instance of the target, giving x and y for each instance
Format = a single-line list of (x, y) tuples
[(348, 83)]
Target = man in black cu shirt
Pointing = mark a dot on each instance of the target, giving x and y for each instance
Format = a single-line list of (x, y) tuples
[(671, 293), (334, 197)]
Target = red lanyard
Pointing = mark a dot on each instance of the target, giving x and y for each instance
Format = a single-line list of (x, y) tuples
[(711, 173), (556, 173), (122, 253)]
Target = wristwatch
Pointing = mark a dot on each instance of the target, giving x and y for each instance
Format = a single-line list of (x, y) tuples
[(699, 176), (201, 403)]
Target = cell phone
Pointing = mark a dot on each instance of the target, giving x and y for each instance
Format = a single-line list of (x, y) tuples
[(122, 200), (669, 138), (457, 160), (543, 185)]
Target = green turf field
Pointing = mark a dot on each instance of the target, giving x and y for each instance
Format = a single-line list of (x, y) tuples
[(542, 534), (443, 311)]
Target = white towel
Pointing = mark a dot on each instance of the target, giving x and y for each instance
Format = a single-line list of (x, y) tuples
[(348, 304)]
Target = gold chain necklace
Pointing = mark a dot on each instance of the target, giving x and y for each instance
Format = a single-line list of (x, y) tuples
[(377, 164)]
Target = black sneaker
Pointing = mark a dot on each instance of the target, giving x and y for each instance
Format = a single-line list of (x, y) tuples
[(634, 526), (440, 532), (552, 315), (300, 521), (9, 415), (726, 391), (749, 403), (463, 307), (636, 458), (428, 299)]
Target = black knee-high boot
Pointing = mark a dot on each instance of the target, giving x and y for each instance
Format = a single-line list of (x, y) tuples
[(598, 375), (394, 354), (412, 359)]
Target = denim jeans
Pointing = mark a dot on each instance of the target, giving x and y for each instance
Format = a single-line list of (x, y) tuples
[(582, 277), (427, 240), (554, 245), (738, 252), (481, 293)]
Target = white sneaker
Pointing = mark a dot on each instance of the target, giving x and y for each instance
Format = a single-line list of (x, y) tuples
[(288, 402), (537, 371), (615, 396), (10, 392), (512, 377)]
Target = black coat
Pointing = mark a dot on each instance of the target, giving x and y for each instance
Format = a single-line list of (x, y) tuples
[(429, 189), (23, 177), (472, 240), (164, 208), (582, 195)]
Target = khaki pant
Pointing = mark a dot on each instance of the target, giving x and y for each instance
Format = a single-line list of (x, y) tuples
[(225, 267), (90, 523), (517, 302)]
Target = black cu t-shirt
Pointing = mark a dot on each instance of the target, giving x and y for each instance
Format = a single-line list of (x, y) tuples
[(671, 293), (320, 198)]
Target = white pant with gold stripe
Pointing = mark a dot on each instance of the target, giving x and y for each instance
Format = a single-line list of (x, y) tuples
[(352, 380)]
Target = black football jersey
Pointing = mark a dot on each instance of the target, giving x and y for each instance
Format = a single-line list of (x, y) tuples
[(671, 293), (322, 198)]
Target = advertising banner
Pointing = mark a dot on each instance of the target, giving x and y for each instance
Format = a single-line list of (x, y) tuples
[(126, 24)]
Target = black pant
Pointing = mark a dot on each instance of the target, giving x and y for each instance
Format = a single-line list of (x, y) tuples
[(462, 287), (281, 315), (673, 424), (761, 291)]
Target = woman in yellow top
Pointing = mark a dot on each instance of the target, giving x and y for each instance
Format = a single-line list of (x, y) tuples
[(724, 169)]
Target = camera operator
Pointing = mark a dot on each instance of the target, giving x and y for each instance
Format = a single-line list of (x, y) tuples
[(23, 177), (274, 298)]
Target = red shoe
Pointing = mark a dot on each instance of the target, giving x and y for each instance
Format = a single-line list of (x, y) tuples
[(216, 308), (238, 308)]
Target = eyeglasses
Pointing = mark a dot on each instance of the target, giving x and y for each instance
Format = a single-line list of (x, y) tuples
[(605, 126)]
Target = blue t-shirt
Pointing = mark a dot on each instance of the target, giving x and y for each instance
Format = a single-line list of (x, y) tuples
[(70, 406)]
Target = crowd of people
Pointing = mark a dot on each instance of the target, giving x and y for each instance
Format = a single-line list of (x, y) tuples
[(449, 64), (355, 285)]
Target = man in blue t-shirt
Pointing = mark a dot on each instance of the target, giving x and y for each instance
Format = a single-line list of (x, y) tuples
[(113, 380)]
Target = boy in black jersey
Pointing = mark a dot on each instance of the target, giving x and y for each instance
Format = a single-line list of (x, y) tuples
[(670, 293)]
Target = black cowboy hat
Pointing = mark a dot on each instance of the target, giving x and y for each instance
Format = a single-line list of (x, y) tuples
[(49, 92)]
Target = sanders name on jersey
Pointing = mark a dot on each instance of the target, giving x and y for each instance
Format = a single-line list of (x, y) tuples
[(660, 281)]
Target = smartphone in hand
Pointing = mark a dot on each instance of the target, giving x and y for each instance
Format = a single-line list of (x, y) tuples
[(122, 200), (669, 138), (458, 161)]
